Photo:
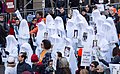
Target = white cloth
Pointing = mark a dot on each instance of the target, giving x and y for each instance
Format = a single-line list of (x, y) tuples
[(70, 29), (10, 70), (60, 26), (50, 25), (23, 31), (95, 15), (12, 46), (27, 48), (40, 33), (114, 37)]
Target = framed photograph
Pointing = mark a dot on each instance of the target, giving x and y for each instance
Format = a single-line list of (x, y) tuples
[(46, 35), (75, 33), (85, 36), (94, 43), (67, 51)]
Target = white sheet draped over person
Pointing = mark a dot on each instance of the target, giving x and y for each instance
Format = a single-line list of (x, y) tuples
[(70, 29), (104, 46), (23, 31), (114, 37), (40, 37), (27, 48), (60, 26), (106, 28), (90, 36), (12, 47), (50, 25), (69, 54)]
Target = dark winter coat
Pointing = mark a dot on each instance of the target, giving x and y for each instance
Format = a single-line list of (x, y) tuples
[(21, 67)]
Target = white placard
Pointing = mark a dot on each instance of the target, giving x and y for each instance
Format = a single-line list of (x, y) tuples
[(18, 15), (86, 57), (10, 5), (114, 68), (100, 1)]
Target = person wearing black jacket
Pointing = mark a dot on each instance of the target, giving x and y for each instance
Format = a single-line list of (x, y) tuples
[(22, 65)]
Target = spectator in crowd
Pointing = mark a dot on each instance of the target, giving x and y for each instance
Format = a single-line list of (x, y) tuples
[(10, 69), (39, 16), (3, 23), (88, 9), (62, 66), (26, 72), (50, 69), (118, 28), (16, 27), (113, 14), (37, 67), (2, 37), (45, 54), (62, 14), (85, 15), (95, 68), (61, 3), (22, 65), (11, 24)]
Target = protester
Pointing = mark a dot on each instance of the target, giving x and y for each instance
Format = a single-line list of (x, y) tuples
[(95, 69), (50, 69), (62, 65), (27, 48), (37, 67), (11, 47), (11, 66), (22, 65), (23, 32), (45, 55)]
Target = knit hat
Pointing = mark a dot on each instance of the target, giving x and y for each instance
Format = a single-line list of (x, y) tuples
[(34, 58)]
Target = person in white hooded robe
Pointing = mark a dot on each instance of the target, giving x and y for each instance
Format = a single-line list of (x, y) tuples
[(71, 58), (106, 28), (23, 31), (11, 47), (50, 25), (11, 66), (60, 26), (27, 48)]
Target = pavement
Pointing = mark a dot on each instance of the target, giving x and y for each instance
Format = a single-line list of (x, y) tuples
[(2, 69)]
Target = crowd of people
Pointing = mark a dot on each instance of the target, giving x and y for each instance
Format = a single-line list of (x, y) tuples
[(54, 45)]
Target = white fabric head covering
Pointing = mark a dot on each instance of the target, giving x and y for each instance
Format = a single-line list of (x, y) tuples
[(40, 33), (12, 45), (100, 22), (59, 26), (70, 29), (95, 15), (106, 28), (11, 59), (74, 14), (23, 32), (50, 22), (27, 48), (114, 31), (81, 18)]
